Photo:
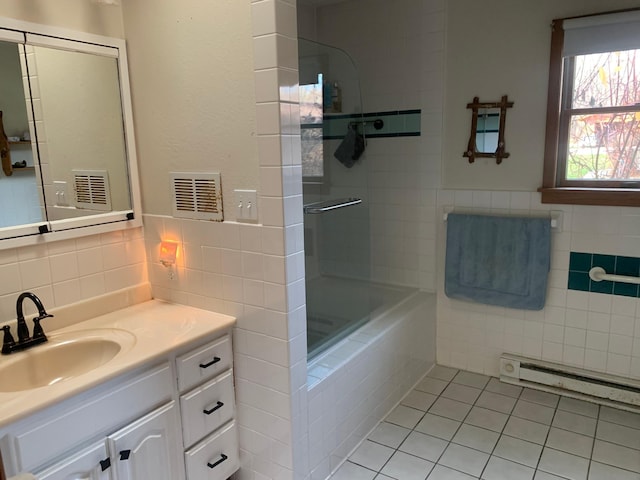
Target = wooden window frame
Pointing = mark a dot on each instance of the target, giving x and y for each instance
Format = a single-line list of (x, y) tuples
[(554, 189)]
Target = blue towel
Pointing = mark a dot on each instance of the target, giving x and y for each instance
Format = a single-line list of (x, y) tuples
[(498, 260)]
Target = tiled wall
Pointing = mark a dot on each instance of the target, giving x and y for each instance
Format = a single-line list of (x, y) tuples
[(580, 264), (586, 329), (398, 52), (397, 123), (69, 271), (243, 270)]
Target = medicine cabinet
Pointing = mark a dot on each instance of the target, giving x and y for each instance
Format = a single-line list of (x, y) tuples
[(67, 115)]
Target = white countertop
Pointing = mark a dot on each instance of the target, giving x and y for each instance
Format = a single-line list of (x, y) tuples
[(159, 329)]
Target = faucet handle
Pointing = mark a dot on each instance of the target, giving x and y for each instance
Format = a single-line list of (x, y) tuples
[(8, 342), (38, 332)]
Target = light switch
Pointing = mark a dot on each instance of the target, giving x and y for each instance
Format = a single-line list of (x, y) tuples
[(246, 203), (62, 193)]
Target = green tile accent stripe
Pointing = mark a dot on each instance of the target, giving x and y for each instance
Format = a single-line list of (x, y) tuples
[(580, 264), (397, 123)]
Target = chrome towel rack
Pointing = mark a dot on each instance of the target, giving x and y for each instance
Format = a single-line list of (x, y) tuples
[(598, 274), (328, 205)]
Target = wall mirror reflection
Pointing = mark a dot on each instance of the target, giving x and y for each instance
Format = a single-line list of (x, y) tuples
[(67, 120), (487, 130)]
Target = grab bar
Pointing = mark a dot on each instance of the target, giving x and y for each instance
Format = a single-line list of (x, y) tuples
[(597, 274), (327, 205)]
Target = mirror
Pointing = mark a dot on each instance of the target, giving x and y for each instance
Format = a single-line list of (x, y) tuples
[(67, 118), (487, 130)]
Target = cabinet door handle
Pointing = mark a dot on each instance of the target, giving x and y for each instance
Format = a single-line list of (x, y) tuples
[(104, 464), (209, 412), (125, 454), (223, 457), (207, 365)]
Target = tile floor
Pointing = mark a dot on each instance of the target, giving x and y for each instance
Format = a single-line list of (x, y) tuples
[(458, 425)]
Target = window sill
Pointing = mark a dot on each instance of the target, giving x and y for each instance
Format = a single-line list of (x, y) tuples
[(591, 196)]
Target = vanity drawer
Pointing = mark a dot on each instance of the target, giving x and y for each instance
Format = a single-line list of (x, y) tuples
[(207, 407), (203, 363), (216, 457)]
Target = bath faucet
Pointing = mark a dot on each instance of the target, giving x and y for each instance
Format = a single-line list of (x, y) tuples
[(9, 345)]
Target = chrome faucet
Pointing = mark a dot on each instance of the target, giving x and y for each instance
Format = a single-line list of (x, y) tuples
[(9, 345)]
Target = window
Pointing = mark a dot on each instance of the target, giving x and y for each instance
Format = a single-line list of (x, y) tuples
[(311, 131), (592, 151)]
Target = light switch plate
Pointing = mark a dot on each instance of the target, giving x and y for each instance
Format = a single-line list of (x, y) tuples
[(246, 203), (62, 193)]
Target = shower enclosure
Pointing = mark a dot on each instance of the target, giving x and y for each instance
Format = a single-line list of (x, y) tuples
[(340, 294)]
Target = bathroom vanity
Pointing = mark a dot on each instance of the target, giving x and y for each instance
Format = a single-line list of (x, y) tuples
[(162, 406)]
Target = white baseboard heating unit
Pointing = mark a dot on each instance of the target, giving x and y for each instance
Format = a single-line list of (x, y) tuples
[(619, 392)]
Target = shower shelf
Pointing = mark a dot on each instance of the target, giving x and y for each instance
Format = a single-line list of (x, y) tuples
[(328, 205)]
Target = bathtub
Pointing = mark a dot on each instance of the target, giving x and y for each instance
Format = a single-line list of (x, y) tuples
[(338, 306), (373, 360)]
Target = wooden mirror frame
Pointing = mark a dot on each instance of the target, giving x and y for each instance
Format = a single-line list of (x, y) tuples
[(472, 151)]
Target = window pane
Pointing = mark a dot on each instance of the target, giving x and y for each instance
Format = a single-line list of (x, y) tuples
[(604, 147), (311, 129), (606, 79), (312, 152)]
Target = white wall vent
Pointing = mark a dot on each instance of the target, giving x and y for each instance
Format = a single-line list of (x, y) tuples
[(619, 392), (197, 196), (92, 189)]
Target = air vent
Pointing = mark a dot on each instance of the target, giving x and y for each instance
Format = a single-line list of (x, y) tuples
[(197, 196), (92, 189)]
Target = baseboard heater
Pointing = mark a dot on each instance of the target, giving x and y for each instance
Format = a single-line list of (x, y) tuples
[(619, 392)]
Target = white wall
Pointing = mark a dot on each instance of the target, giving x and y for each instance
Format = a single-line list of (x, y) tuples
[(191, 66), (81, 15), (398, 52), (496, 48), (596, 331)]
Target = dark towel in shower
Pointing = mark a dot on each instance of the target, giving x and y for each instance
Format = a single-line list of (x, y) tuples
[(351, 147)]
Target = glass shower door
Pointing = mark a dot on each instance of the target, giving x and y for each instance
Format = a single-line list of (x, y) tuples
[(336, 219)]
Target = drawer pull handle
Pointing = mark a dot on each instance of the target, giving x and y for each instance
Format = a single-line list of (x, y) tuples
[(207, 365), (125, 454), (218, 406), (104, 464), (223, 457)]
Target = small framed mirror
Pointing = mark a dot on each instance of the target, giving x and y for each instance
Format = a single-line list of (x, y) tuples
[(487, 130)]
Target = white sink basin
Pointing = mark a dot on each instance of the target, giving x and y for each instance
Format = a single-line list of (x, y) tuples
[(64, 356)]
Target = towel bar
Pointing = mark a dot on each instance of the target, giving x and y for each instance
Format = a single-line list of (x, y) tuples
[(327, 205), (597, 274), (555, 216)]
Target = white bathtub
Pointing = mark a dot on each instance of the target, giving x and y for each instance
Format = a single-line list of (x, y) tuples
[(354, 383), (338, 306)]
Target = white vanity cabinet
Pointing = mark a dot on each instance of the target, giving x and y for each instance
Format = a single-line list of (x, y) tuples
[(89, 464), (137, 426), (146, 448)]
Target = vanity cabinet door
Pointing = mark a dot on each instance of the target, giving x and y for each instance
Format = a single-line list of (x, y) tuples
[(90, 464), (148, 448)]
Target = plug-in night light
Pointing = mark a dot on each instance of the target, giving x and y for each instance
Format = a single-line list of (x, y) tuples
[(168, 251)]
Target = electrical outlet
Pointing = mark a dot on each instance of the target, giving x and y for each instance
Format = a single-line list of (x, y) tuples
[(246, 202)]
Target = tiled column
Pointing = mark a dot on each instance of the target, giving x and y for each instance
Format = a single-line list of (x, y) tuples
[(278, 453)]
